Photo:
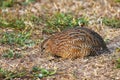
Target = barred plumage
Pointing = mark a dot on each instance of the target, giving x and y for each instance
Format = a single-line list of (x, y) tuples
[(74, 43)]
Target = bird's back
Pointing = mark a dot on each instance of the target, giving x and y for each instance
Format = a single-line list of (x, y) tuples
[(76, 42)]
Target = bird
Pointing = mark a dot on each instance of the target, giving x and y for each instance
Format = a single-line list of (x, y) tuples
[(72, 43)]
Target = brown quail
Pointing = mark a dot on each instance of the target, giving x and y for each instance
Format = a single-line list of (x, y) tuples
[(74, 43)]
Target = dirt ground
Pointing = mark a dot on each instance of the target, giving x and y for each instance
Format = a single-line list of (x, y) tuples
[(102, 67)]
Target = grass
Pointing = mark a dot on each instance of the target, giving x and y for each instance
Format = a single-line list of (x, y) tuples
[(20, 38), (118, 63), (35, 19), (61, 21), (19, 22), (35, 73), (10, 3), (10, 54), (12, 23), (6, 3), (117, 1), (111, 22), (118, 60), (107, 40), (26, 2), (9, 75), (42, 72), (118, 49)]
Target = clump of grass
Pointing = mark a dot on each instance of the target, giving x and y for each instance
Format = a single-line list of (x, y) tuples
[(8, 54), (107, 40), (60, 21), (13, 23), (6, 3), (20, 38), (42, 72), (35, 19), (117, 49), (118, 63), (26, 2), (10, 3), (11, 54), (34, 74), (9, 75), (111, 22), (117, 1), (19, 22)]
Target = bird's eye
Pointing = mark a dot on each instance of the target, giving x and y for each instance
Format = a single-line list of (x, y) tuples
[(42, 49)]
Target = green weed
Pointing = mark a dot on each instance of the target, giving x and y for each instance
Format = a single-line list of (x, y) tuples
[(60, 21), (20, 38), (35, 19), (8, 75), (19, 22), (13, 23), (6, 3), (118, 63), (26, 2), (10, 3), (35, 73), (11, 54), (117, 49), (107, 40), (111, 22), (8, 54), (42, 72), (117, 1)]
